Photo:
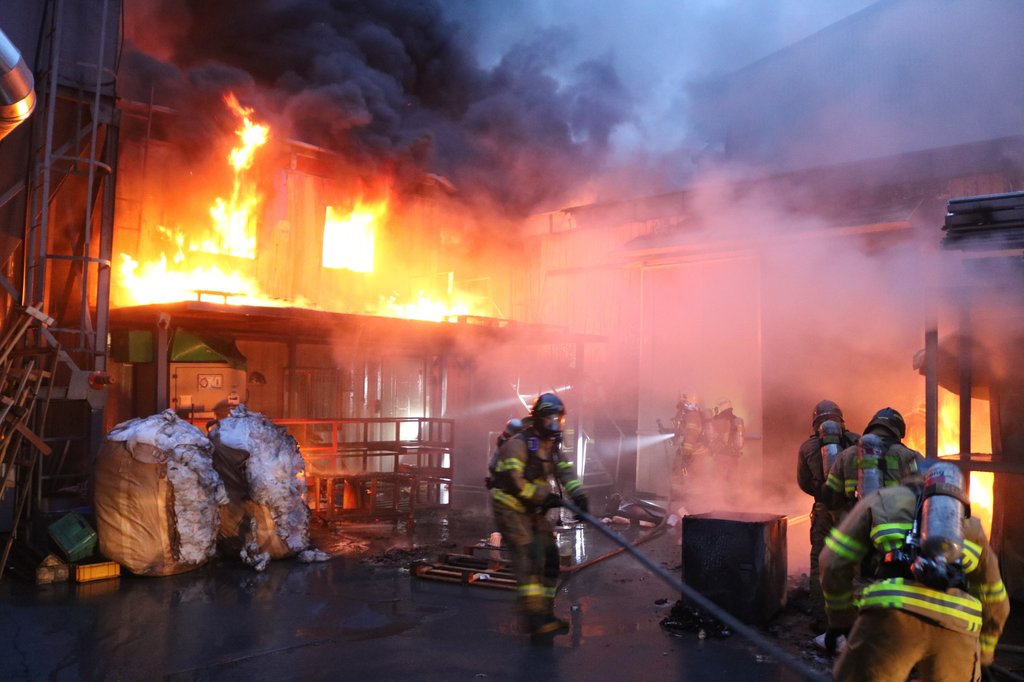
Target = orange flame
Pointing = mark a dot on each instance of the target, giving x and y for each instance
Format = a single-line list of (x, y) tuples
[(218, 263), (155, 282), (233, 234), (949, 444), (349, 240), (234, 219), (424, 308)]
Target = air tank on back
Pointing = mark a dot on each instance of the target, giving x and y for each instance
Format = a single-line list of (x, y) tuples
[(943, 511), (830, 434), (870, 451)]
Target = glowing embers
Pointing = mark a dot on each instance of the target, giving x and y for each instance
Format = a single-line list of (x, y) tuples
[(349, 239)]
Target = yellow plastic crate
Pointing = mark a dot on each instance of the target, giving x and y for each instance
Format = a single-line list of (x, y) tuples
[(97, 588), (102, 570)]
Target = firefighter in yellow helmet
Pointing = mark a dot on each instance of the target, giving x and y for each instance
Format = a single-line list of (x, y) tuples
[(521, 498), (814, 460), (688, 440), (938, 601), (879, 459)]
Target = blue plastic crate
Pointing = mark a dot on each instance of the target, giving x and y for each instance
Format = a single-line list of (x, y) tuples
[(75, 537)]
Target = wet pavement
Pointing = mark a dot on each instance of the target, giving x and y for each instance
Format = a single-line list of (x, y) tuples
[(362, 615)]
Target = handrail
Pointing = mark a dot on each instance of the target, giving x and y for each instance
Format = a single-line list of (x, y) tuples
[(374, 444), (338, 435)]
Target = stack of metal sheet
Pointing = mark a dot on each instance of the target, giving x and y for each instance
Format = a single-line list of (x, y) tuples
[(990, 221)]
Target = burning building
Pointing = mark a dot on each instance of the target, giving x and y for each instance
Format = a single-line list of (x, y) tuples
[(329, 225), (206, 236)]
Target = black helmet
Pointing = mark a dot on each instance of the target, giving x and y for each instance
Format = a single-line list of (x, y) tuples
[(548, 413), (825, 410), (890, 420)]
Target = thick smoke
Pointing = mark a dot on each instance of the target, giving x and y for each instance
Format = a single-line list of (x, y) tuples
[(391, 86), (896, 77)]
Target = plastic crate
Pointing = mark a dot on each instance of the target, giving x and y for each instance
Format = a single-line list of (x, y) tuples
[(97, 588), (102, 570), (74, 536)]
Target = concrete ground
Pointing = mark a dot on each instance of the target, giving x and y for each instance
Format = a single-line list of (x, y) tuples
[(363, 616)]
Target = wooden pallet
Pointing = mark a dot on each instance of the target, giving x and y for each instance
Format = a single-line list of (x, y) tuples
[(462, 569)]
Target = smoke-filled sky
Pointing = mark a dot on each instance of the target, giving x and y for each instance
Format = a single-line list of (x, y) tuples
[(526, 106), (658, 48)]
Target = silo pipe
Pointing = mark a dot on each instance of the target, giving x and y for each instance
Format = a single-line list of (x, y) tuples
[(17, 87)]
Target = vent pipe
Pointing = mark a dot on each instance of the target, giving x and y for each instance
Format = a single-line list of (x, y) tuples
[(17, 91)]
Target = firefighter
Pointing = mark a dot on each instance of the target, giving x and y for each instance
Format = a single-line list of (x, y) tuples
[(814, 459), (938, 601), (688, 441), (725, 437), (521, 497), (880, 456)]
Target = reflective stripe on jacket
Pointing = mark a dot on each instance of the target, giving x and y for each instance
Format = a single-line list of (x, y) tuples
[(898, 462), (878, 524), (523, 469)]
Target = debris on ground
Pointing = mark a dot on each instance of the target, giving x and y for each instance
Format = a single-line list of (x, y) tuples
[(686, 619), (399, 556)]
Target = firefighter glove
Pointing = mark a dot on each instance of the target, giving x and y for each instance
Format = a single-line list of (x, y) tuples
[(551, 501), (832, 636), (581, 501)]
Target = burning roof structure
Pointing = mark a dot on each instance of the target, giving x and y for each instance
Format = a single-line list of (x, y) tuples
[(331, 210)]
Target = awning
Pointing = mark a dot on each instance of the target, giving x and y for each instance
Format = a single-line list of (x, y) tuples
[(189, 346)]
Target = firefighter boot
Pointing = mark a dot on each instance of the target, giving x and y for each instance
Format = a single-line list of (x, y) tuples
[(541, 622), (543, 629), (552, 622)]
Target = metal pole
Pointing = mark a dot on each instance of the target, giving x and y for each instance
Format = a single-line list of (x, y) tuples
[(965, 391), (85, 325), (163, 335), (931, 389), (39, 246)]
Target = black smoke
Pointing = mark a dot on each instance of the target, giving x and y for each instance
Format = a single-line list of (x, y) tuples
[(388, 84)]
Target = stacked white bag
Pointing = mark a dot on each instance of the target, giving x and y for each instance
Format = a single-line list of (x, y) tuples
[(266, 516), (157, 496)]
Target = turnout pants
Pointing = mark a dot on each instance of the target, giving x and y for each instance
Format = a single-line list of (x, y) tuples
[(531, 542), (885, 644), (821, 524)]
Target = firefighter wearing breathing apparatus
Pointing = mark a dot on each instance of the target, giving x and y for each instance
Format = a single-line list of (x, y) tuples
[(879, 459), (521, 498), (688, 434), (726, 435), (938, 601), (815, 458), (689, 444)]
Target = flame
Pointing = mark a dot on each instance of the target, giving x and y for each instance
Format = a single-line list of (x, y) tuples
[(233, 233), (217, 261), (234, 219), (949, 444), (156, 282), (424, 308), (349, 240)]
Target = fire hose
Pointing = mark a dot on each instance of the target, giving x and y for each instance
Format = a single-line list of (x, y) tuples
[(756, 638), (653, 533)]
